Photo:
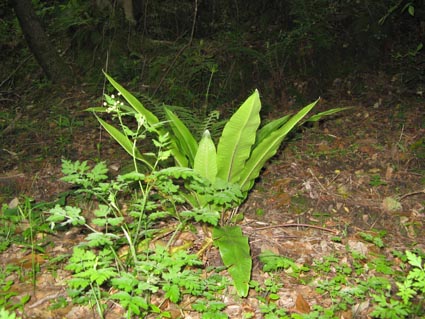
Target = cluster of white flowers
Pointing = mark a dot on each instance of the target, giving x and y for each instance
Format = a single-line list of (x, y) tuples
[(113, 107)]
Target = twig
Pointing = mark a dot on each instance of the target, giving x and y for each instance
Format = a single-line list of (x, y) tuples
[(297, 225), (16, 69), (317, 180), (46, 298), (411, 194)]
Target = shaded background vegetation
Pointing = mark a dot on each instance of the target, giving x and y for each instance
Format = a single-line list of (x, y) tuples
[(202, 54)]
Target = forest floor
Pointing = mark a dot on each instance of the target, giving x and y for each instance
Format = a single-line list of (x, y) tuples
[(337, 187)]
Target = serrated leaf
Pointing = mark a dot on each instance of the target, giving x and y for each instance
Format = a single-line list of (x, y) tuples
[(235, 253), (172, 292), (273, 262), (98, 172), (126, 282), (203, 214), (101, 275), (100, 239), (78, 283), (413, 259), (102, 211)]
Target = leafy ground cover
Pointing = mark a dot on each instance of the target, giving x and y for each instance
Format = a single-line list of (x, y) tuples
[(335, 223)]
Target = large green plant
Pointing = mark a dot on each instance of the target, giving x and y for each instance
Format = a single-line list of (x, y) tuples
[(241, 153)]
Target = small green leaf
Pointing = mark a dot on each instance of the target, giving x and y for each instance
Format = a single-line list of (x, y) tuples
[(202, 214), (101, 275), (172, 292), (273, 262), (414, 260)]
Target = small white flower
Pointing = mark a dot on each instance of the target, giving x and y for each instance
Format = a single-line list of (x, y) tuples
[(111, 108), (113, 96), (105, 104)]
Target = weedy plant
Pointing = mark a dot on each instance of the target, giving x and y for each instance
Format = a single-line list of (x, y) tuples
[(123, 251), (411, 292), (352, 286), (235, 163), (4, 314)]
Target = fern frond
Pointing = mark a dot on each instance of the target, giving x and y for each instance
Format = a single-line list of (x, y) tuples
[(193, 119)]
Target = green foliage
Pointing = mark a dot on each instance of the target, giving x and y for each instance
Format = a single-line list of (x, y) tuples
[(272, 262), (20, 224), (7, 292), (375, 181), (4, 314), (268, 295), (235, 253), (411, 287), (119, 253), (210, 309), (376, 240), (242, 151)]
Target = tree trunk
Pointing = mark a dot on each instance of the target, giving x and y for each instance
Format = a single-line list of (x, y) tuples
[(39, 44)]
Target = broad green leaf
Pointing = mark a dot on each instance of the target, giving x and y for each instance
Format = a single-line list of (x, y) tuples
[(235, 253), (124, 141), (318, 116), (267, 148), (206, 158), (135, 103), (184, 137), (238, 136), (267, 129)]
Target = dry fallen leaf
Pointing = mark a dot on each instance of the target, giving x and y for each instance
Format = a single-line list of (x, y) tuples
[(14, 203), (301, 305)]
